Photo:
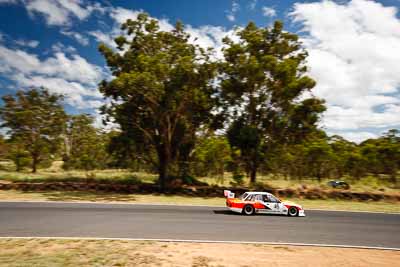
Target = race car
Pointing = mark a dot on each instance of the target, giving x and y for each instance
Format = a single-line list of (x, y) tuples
[(261, 202)]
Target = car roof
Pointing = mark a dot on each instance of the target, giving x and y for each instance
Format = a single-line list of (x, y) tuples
[(258, 193)]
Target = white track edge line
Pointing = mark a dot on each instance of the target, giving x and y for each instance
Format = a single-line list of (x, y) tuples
[(359, 211), (171, 204), (201, 241)]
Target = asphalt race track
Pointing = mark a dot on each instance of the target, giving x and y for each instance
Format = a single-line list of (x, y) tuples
[(196, 223)]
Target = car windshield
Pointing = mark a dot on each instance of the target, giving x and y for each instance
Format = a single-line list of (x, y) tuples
[(242, 197)]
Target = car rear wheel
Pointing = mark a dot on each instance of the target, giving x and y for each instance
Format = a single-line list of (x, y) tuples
[(293, 211), (248, 210)]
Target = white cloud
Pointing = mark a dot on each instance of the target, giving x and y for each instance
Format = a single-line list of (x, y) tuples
[(28, 43), (19, 42), (230, 17), (74, 68), (120, 14), (77, 36), (356, 137), (59, 47), (57, 12), (73, 90), (8, 1), (98, 122), (354, 57), (268, 11), (71, 75), (107, 38), (231, 14), (252, 4)]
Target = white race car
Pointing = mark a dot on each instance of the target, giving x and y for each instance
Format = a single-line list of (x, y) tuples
[(261, 202)]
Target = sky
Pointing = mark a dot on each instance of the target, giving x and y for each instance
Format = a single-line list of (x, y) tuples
[(353, 46)]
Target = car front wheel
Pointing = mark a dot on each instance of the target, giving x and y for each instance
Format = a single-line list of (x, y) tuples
[(293, 211)]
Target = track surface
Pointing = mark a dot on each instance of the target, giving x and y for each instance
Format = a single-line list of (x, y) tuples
[(196, 223)]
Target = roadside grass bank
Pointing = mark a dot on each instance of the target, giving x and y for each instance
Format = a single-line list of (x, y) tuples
[(63, 252), (121, 185), (103, 197), (204, 191), (369, 184), (118, 176)]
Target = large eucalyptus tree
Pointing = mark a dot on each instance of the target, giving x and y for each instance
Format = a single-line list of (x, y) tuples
[(264, 81), (161, 91)]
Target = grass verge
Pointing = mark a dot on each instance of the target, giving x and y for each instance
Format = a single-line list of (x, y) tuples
[(76, 196), (60, 252)]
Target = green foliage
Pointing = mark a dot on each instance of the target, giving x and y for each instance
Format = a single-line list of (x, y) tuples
[(212, 156), (17, 154), (122, 150), (35, 120), (382, 155), (319, 156), (334, 157), (84, 145), (4, 148), (263, 77), (238, 179)]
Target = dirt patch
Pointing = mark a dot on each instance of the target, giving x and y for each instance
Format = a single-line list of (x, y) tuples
[(42, 252)]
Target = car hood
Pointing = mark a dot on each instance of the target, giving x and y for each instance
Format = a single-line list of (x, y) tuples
[(290, 203)]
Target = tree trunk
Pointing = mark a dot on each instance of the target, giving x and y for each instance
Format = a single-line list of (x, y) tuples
[(253, 168), (162, 174), (163, 161), (319, 176), (35, 161), (18, 164), (393, 177), (253, 174), (184, 169)]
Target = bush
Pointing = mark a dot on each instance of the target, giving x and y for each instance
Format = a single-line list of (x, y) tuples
[(371, 181), (238, 179)]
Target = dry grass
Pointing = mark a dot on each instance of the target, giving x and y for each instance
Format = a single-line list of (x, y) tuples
[(75, 196), (46, 252), (114, 175), (366, 184)]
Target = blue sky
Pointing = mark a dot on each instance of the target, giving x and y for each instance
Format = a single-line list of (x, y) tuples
[(353, 45)]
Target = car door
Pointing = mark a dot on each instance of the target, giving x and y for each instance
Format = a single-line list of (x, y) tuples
[(258, 203), (272, 204), (263, 206)]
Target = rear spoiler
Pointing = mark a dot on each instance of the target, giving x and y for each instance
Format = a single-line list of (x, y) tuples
[(229, 194)]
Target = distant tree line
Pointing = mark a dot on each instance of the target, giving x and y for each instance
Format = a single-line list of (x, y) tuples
[(184, 113)]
